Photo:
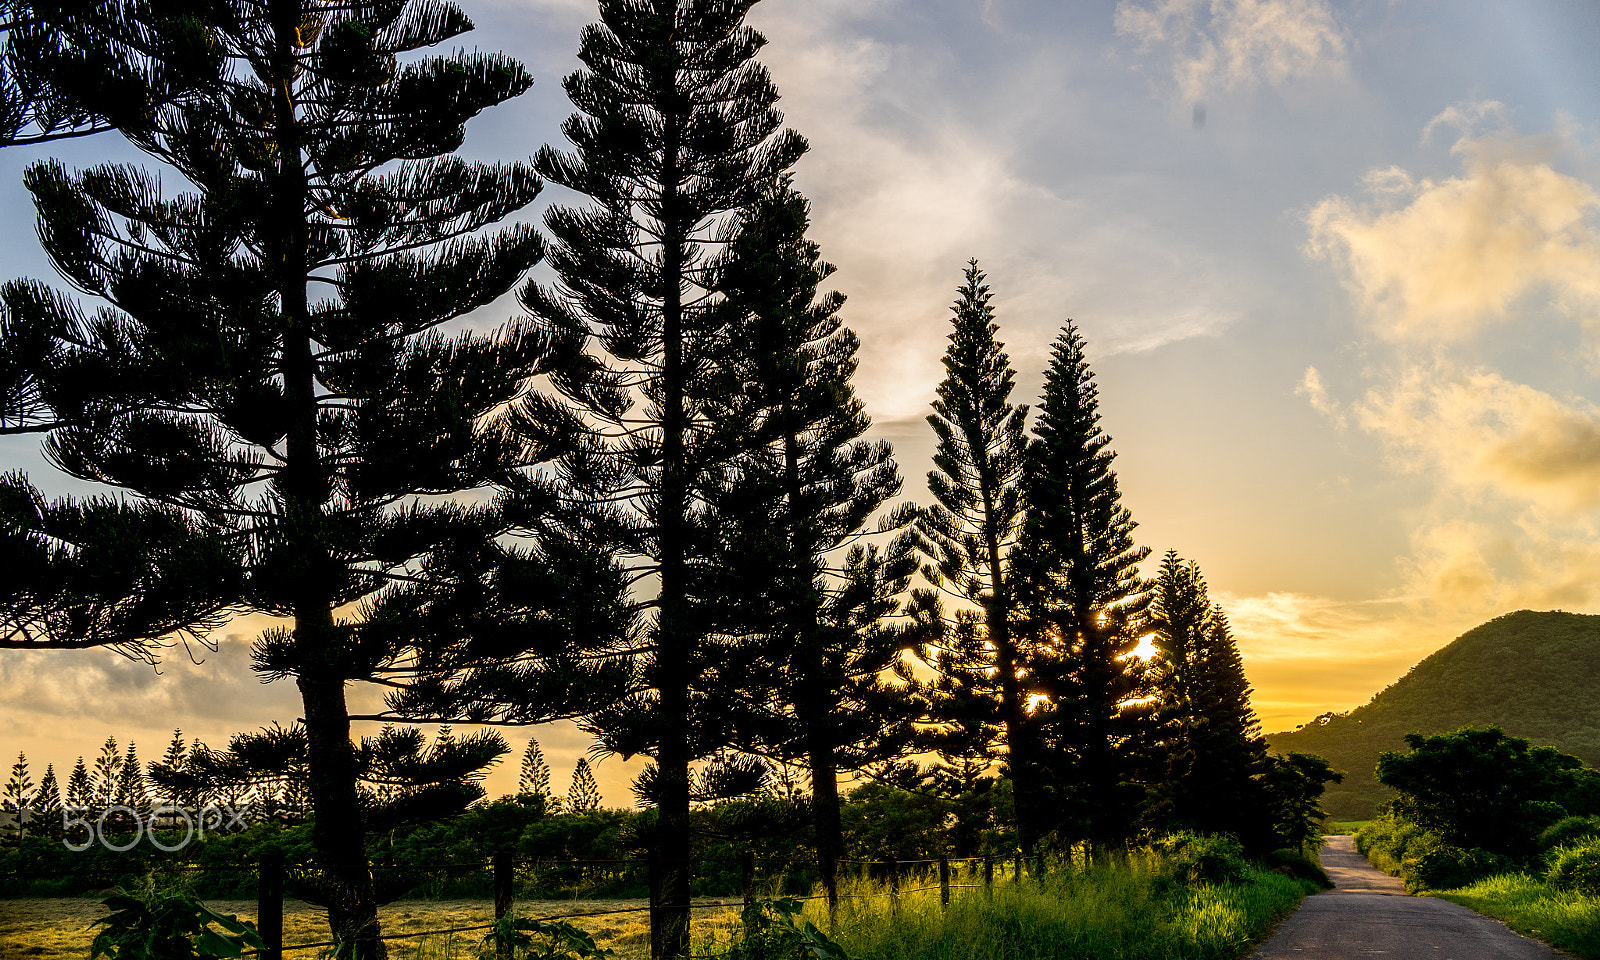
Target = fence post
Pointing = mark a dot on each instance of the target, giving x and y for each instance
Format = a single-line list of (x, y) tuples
[(1016, 877), (656, 919), (747, 885), (944, 882), (269, 903), (892, 868), (504, 872), (988, 876)]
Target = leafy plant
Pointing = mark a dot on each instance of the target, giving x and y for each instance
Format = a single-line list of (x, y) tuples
[(1577, 868), (778, 932), (546, 939), (167, 927)]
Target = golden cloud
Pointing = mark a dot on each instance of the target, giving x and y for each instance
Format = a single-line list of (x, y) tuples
[(1438, 260)]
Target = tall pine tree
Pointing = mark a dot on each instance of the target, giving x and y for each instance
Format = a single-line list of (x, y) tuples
[(971, 530), (676, 128), (1084, 604), (1212, 749), (270, 377), (534, 778), (583, 794), (798, 503)]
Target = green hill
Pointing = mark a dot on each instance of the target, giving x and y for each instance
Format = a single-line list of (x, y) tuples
[(1535, 674)]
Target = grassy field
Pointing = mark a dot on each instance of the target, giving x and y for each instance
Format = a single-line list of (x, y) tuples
[(1532, 907), (60, 929), (1341, 828), (1133, 910)]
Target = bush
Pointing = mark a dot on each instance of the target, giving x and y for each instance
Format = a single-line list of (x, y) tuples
[(1293, 863), (1384, 842), (1576, 868), (1432, 864), (1195, 859), (1569, 831)]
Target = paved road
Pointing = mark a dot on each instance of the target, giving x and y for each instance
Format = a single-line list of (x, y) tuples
[(1369, 915)]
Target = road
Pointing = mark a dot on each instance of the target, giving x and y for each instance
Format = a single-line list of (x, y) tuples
[(1369, 915)]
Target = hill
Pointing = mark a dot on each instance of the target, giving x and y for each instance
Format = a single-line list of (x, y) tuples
[(1535, 674)]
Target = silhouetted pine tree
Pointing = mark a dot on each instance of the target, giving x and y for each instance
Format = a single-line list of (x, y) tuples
[(174, 759), (1212, 750), (107, 768), (132, 790), (971, 530), (47, 803), (1084, 604), (797, 503), (534, 779), (80, 786), (273, 375), (17, 800), (583, 794), (676, 128)]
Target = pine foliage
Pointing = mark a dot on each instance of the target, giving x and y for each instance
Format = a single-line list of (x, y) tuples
[(16, 802), (268, 381), (675, 130), (1212, 748), (1084, 604), (583, 794), (534, 779)]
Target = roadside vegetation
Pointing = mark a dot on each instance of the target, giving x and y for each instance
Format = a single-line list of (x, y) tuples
[(1485, 820)]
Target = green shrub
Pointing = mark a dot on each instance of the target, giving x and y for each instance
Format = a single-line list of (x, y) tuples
[(1384, 841), (1571, 830), (1293, 863), (1192, 859), (1576, 867), (1432, 864)]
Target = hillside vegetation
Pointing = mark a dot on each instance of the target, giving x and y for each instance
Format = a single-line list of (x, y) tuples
[(1534, 674)]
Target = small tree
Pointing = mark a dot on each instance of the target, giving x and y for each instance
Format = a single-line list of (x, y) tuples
[(534, 779), (17, 801), (47, 803), (1211, 749), (107, 772), (583, 795), (132, 789), (80, 786)]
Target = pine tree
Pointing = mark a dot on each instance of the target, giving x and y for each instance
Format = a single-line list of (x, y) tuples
[(132, 790), (107, 770), (80, 787), (583, 795), (534, 780), (799, 499), (676, 128), (47, 803), (1213, 749), (174, 760), (1084, 603), (17, 801), (971, 530), (271, 372)]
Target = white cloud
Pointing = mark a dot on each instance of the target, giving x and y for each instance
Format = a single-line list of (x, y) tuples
[(1439, 260), (1229, 45), (1316, 394)]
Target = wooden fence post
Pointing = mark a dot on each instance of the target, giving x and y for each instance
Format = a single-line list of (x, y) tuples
[(269, 903), (657, 917), (747, 885), (944, 882), (1016, 877), (988, 876), (892, 868), (504, 873)]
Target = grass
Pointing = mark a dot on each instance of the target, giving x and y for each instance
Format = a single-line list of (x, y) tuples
[(1570, 921), (1344, 827), (1128, 911)]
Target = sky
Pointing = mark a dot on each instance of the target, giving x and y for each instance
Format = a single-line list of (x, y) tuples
[(1337, 262)]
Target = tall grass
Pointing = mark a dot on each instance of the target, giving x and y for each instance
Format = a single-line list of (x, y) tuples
[(1131, 910), (1564, 919)]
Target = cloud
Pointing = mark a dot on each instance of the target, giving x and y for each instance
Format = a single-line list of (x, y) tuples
[(1437, 261), (1230, 45), (1482, 434), (1311, 387)]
